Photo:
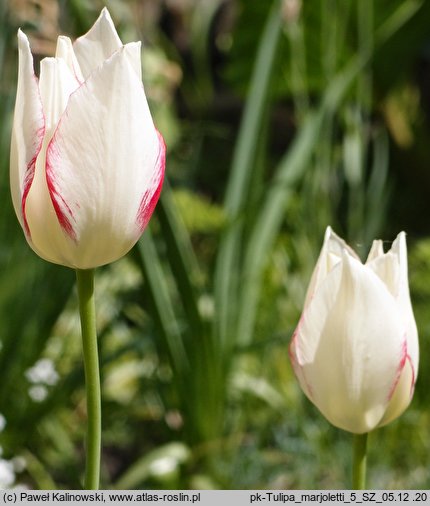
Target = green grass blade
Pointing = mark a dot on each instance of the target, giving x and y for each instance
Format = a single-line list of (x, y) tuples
[(400, 17), (269, 222), (241, 174), (181, 257), (163, 311), (377, 191)]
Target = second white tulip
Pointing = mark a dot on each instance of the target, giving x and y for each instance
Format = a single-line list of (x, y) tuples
[(355, 349)]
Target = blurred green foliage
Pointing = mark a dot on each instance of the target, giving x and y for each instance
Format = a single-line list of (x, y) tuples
[(280, 117)]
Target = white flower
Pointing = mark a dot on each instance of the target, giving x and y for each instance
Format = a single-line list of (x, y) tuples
[(43, 371), (7, 474), (87, 163), (355, 349), (38, 393)]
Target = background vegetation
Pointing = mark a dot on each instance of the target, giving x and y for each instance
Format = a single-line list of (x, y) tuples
[(280, 117)]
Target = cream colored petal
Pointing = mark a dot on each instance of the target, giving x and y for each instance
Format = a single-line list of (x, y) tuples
[(98, 44), (105, 165), (27, 132), (387, 268), (331, 254), (48, 238), (376, 250), (296, 362), (56, 84), (401, 395), (392, 268), (65, 52), (399, 249), (351, 343)]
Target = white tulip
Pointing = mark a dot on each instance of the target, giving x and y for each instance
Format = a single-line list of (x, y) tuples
[(355, 349), (87, 163)]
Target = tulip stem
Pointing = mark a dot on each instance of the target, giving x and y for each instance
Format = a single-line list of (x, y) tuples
[(85, 284), (359, 462)]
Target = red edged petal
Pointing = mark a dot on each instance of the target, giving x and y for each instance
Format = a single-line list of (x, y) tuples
[(152, 194), (28, 132), (62, 209)]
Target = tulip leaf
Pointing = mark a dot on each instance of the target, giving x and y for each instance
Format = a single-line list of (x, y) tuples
[(163, 311), (180, 255), (228, 261)]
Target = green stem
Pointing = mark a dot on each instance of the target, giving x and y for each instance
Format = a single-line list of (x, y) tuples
[(85, 283), (359, 462)]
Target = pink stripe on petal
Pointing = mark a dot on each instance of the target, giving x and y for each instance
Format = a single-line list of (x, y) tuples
[(404, 357), (62, 209), (152, 194), (29, 175), (293, 350), (408, 358)]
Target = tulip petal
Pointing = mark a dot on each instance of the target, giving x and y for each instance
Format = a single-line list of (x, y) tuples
[(331, 254), (399, 249), (392, 269), (134, 57), (104, 165), (387, 268), (28, 131), (65, 52), (152, 194), (297, 361), (98, 44), (350, 323), (56, 84), (401, 395), (377, 250)]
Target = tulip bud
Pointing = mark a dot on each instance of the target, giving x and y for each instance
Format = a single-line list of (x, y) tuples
[(355, 349), (87, 163)]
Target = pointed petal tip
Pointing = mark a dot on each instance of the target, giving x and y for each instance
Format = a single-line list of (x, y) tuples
[(105, 16), (331, 234), (328, 234), (399, 244), (23, 41), (402, 237), (63, 45), (376, 251)]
